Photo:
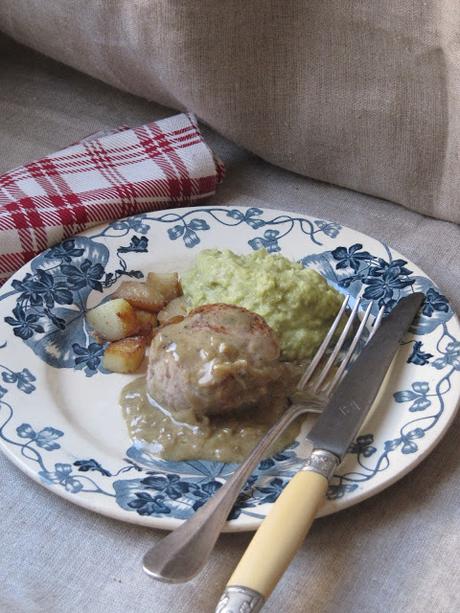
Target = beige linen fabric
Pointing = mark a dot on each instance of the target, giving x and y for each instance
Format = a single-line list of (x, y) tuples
[(361, 94), (396, 552)]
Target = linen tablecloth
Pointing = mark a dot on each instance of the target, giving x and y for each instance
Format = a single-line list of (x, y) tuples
[(394, 552), (359, 94)]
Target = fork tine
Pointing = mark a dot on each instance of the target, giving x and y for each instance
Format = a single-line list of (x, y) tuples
[(377, 322), (340, 371), (338, 346), (322, 348)]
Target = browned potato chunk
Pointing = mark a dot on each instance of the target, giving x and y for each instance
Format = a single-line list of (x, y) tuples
[(175, 308), (147, 322), (113, 320), (167, 283), (124, 356), (141, 296)]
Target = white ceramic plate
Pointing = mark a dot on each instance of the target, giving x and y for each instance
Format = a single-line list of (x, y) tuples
[(59, 417)]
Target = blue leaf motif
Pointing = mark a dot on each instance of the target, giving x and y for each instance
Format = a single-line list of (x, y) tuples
[(269, 241), (363, 445), (335, 492), (62, 476), (418, 394), (176, 232), (257, 243), (421, 387), (439, 363), (407, 440), (25, 431), (136, 223), (253, 211), (145, 504), (235, 214), (191, 238), (3, 391), (420, 405), (451, 357), (188, 232), (408, 445), (392, 445), (251, 217), (330, 229), (404, 396), (198, 224), (23, 380), (46, 438)]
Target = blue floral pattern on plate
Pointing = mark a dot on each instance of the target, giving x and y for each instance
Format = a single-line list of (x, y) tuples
[(43, 309)]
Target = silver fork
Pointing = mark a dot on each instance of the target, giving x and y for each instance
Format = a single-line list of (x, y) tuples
[(182, 554)]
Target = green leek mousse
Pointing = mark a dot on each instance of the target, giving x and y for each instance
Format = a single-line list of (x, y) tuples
[(296, 302)]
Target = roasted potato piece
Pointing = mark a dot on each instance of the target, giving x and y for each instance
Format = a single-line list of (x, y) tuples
[(113, 320), (125, 355), (167, 283), (141, 296), (148, 321), (175, 308)]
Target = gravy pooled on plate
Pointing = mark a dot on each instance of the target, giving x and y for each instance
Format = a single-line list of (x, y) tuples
[(218, 377)]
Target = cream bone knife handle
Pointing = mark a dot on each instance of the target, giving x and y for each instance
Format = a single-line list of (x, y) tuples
[(279, 536)]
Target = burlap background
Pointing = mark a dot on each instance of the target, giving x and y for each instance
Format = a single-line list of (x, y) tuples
[(361, 94), (396, 552)]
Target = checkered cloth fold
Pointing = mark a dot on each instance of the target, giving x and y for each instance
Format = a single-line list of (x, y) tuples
[(101, 178)]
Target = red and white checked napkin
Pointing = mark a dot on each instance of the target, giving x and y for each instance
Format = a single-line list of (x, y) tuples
[(102, 178)]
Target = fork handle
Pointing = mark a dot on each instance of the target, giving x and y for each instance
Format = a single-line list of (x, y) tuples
[(182, 554), (276, 542)]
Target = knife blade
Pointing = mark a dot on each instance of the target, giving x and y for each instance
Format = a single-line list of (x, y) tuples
[(346, 410), (283, 530)]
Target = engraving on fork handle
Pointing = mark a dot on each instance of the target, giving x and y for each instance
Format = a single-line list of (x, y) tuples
[(322, 462)]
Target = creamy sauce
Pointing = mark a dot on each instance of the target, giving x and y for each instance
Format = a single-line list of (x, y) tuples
[(225, 438)]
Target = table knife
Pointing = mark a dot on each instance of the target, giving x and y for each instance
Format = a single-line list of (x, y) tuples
[(283, 530)]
